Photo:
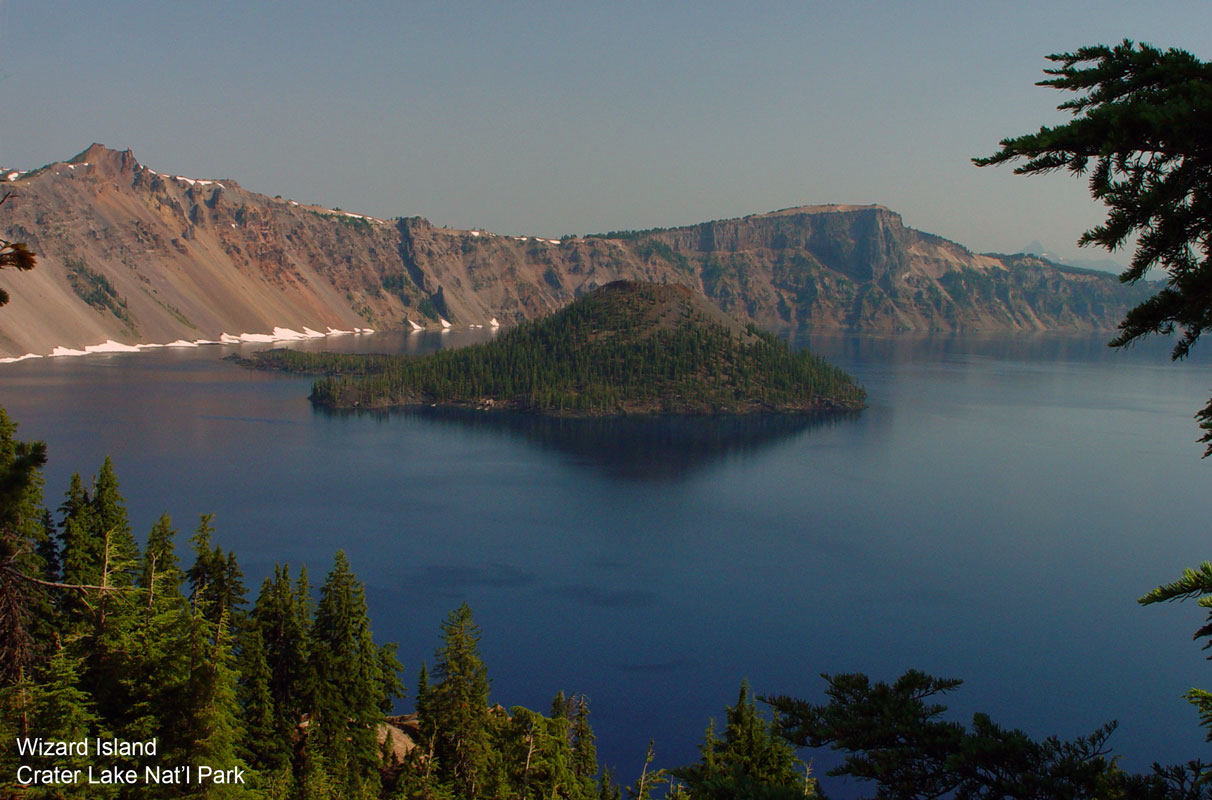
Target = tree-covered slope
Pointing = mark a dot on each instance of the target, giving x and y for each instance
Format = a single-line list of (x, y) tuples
[(626, 348)]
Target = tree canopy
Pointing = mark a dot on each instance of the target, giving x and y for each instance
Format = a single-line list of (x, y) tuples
[(1140, 133)]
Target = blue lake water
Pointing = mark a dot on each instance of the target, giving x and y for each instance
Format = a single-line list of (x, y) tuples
[(993, 515)]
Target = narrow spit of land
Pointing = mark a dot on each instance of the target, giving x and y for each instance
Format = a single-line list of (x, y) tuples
[(626, 348)]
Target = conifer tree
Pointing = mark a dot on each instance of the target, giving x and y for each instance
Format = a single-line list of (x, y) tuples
[(24, 605), (282, 617), (752, 759), (260, 747), (608, 789), (216, 580), (1139, 134), (584, 750), (354, 680), (155, 671), (531, 758), (48, 549), (458, 706), (113, 526), (55, 709), (211, 711), (161, 567)]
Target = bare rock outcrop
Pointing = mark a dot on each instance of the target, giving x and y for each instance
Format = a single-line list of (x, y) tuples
[(130, 254)]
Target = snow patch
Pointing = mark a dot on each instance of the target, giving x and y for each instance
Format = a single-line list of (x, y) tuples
[(15, 359), (67, 351), (334, 332), (310, 334), (12, 176), (445, 324), (110, 346), (183, 343), (286, 335), (227, 338), (493, 322), (474, 233), (415, 326)]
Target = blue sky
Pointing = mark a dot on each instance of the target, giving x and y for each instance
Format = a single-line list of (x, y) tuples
[(553, 118)]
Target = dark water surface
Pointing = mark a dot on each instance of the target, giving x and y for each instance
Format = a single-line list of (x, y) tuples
[(993, 515)]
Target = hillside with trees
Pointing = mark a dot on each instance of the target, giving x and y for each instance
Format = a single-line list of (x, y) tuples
[(627, 348)]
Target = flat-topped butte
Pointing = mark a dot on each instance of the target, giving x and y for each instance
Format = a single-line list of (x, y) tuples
[(625, 348)]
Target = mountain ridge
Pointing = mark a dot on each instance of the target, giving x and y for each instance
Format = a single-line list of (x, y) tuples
[(131, 255)]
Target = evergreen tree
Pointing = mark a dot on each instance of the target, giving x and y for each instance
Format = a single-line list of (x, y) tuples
[(261, 747), (80, 549), (283, 619), (212, 712), (161, 567), (113, 526), (355, 680), (1193, 583), (649, 779), (215, 578), (584, 750), (48, 549), (608, 789), (458, 706), (893, 736), (57, 710), (24, 604), (751, 760), (1140, 133), (154, 670), (531, 758)]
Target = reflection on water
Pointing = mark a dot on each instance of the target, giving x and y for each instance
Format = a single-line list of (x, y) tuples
[(1038, 348), (644, 449)]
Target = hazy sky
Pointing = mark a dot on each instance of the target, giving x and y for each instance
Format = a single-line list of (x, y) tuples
[(566, 117)]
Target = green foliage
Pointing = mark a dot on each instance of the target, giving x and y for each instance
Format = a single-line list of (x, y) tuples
[(1140, 132), (752, 760), (655, 248), (893, 735), (457, 704), (427, 309), (398, 284), (358, 681), (95, 289), (627, 348), (1194, 583), (23, 603)]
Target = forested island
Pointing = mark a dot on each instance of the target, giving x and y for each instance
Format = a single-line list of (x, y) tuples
[(625, 348)]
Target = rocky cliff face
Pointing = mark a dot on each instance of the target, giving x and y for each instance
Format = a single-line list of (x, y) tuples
[(132, 255)]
